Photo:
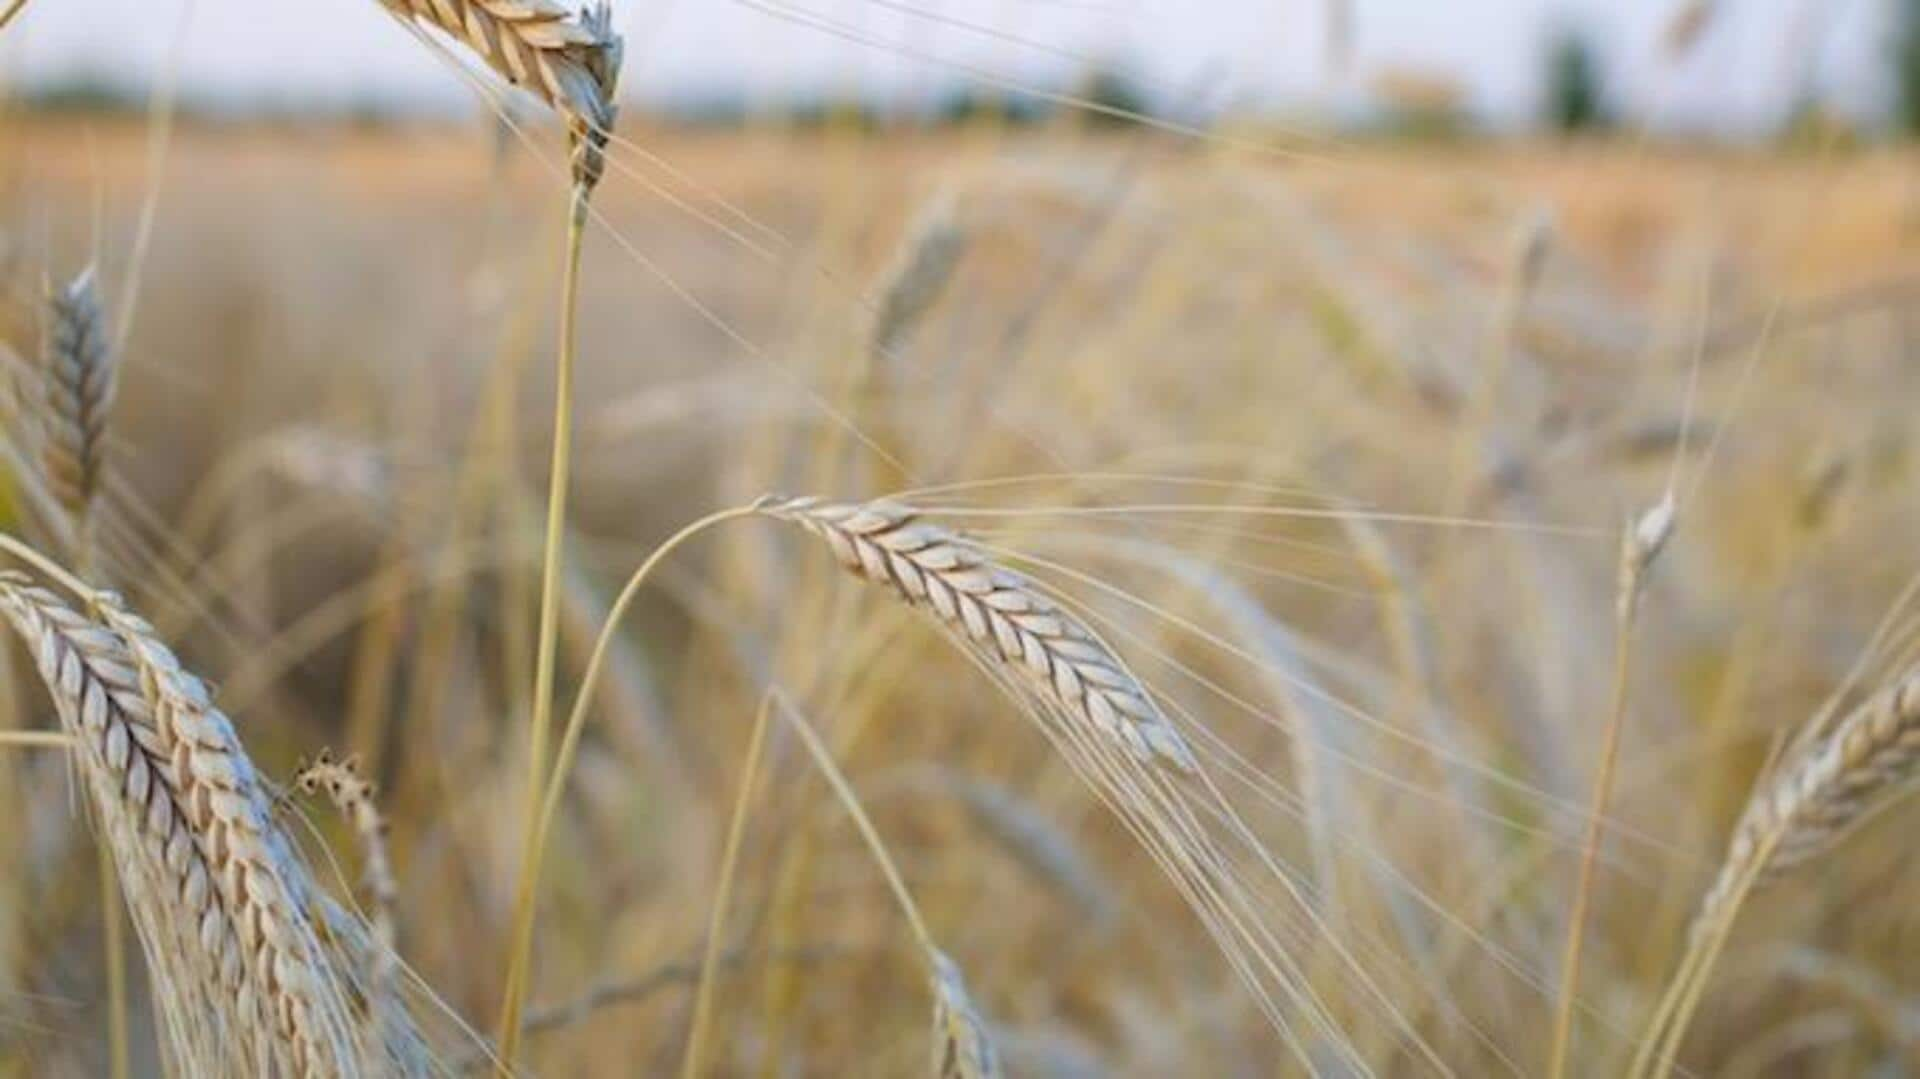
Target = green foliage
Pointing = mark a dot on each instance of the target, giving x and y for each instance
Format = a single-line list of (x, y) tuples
[(967, 105), (87, 93), (1906, 67), (1575, 98), (1118, 100)]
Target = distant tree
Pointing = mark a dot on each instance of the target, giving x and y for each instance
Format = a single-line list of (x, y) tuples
[(1120, 99), (1575, 98), (1906, 66), (967, 105)]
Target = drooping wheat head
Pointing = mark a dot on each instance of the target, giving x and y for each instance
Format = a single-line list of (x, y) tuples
[(244, 980), (569, 59), (1001, 614)]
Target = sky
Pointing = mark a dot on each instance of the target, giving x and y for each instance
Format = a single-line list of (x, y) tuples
[(1754, 64)]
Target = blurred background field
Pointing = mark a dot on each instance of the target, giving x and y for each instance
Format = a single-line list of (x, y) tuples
[(1400, 383)]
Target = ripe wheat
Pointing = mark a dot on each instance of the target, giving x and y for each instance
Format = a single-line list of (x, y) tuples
[(1833, 784), (245, 981), (78, 386), (568, 59), (999, 613), (962, 1048)]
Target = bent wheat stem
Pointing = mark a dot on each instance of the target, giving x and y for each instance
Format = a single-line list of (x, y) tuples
[(527, 899)]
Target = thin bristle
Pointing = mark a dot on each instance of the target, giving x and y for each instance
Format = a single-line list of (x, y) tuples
[(1002, 614)]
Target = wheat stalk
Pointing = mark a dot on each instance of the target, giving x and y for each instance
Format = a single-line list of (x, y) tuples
[(962, 1048), (222, 904), (999, 613), (78, 387), (568, 59), (1640, 545), (1811, 801)]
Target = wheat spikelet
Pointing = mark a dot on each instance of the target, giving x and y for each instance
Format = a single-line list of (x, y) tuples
[(1001, 614), (1830, 786), (352, 795), (962, 1048), (79, 381), (222, 904), (918, 274), (568, 59)]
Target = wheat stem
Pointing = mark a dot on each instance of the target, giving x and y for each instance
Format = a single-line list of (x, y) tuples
[(961, 1047), (36, 739), (519, 955), (723, 894), (115, 946), (1640, 544)]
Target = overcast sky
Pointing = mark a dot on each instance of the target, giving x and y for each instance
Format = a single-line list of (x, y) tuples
[(1754, 63)]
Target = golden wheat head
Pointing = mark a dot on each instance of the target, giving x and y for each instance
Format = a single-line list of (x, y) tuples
[(999, 613), (245, 980), (569, 59)]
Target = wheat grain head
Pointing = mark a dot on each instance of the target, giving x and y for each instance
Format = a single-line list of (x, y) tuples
[(569, 59), (999, 613), (79, 381), (1826, 789), (245, 981), (962, 1048)]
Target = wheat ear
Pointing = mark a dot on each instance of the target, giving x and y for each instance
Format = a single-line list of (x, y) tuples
[(243, 978), (206, 879), (1800, 812), (80, 380), (962, 1048), (569, 59), (353, 796), (1001, 614), (918, 274)]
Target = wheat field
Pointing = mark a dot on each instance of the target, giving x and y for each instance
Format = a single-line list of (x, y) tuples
[(1070, 600)]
